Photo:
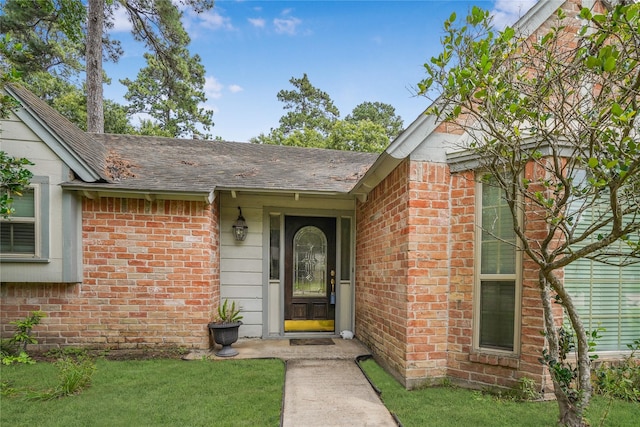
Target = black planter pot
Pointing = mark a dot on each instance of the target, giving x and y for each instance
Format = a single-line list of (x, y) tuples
[(225, 334)]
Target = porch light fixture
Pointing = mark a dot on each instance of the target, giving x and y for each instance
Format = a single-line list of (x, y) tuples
[(240, 227)]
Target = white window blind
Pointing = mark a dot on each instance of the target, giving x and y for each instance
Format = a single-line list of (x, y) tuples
[(18, 233), (606, 296)]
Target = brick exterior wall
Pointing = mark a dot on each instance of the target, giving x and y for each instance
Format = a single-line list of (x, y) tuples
[(402, 271), (415, 260), (428, 272), (466, 365), (382, 239), (151, 279)]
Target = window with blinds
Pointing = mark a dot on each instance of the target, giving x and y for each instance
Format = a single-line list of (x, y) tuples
[(496, 294), (606, 296), (18, 232)]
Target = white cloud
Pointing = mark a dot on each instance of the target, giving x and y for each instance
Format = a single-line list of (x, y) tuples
[(286, 25), (121, 23), (507, 12), (214, 21), (257, 22), (212, 87)]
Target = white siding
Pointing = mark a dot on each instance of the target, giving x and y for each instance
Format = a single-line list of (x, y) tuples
[(242, 275), (17, 140)]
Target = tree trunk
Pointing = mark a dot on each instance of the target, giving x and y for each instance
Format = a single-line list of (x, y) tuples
[(95, 112), (571, 407)]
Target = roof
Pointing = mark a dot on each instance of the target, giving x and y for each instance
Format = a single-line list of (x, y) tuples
[(155, 164), (147, 164), (86, 155)]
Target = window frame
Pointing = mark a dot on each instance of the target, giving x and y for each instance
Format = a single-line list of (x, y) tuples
[(40, 187), (480, 277)]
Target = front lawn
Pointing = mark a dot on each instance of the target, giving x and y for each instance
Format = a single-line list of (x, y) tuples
[(158, 392), (169, 392), (454, 407)]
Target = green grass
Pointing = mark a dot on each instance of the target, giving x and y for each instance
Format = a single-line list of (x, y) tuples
[(169, 392), (449, 406), (157, 392)]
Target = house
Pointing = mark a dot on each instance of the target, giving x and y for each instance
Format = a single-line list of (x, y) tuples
[(129, 242)]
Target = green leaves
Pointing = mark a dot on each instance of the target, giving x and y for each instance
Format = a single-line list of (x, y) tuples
[(609, 63), (477, 16), (171, 92), (14, 179)]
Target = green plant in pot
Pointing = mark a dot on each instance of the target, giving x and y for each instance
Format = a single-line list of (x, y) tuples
[(224, 328)]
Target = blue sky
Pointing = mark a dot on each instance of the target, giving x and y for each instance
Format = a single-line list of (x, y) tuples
[(356, 51)]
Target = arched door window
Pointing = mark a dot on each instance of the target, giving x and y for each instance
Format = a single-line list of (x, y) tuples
[(310, 262)]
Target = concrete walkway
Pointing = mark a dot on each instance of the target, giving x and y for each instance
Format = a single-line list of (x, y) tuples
[(323, 384), (331, 393)]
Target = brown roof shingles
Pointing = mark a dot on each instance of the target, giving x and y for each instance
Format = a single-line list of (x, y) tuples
[(90, 151), (164, 164), (145, 163)]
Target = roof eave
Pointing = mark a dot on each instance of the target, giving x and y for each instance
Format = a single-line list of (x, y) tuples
[(296, 193), (76, 163), (93, 191), (465, 160)]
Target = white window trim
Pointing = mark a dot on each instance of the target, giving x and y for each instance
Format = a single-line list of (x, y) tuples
[(39, 185), (479, 277)]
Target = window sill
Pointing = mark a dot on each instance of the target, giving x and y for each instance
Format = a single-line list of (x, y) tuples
[(511, 361), (5, 259)]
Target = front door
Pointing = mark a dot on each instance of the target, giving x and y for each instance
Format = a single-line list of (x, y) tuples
[(310, 274)]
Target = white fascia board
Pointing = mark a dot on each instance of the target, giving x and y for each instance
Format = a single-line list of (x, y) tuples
[(384, 165), (412, 137), (536, 16), (275, 191)]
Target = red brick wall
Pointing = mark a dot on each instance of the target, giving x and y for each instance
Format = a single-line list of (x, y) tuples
[(151, 278), (462, 273), (382, 231), (415, 258), (402, 271), (466, 365), (428, 272)]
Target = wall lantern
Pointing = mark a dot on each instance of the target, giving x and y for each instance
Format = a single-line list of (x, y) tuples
[(240, 227)]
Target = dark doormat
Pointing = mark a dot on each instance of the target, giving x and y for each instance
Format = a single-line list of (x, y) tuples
[(311, 341)]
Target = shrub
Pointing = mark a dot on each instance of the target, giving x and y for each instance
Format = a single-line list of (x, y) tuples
[(620, 380), (14, 350)]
